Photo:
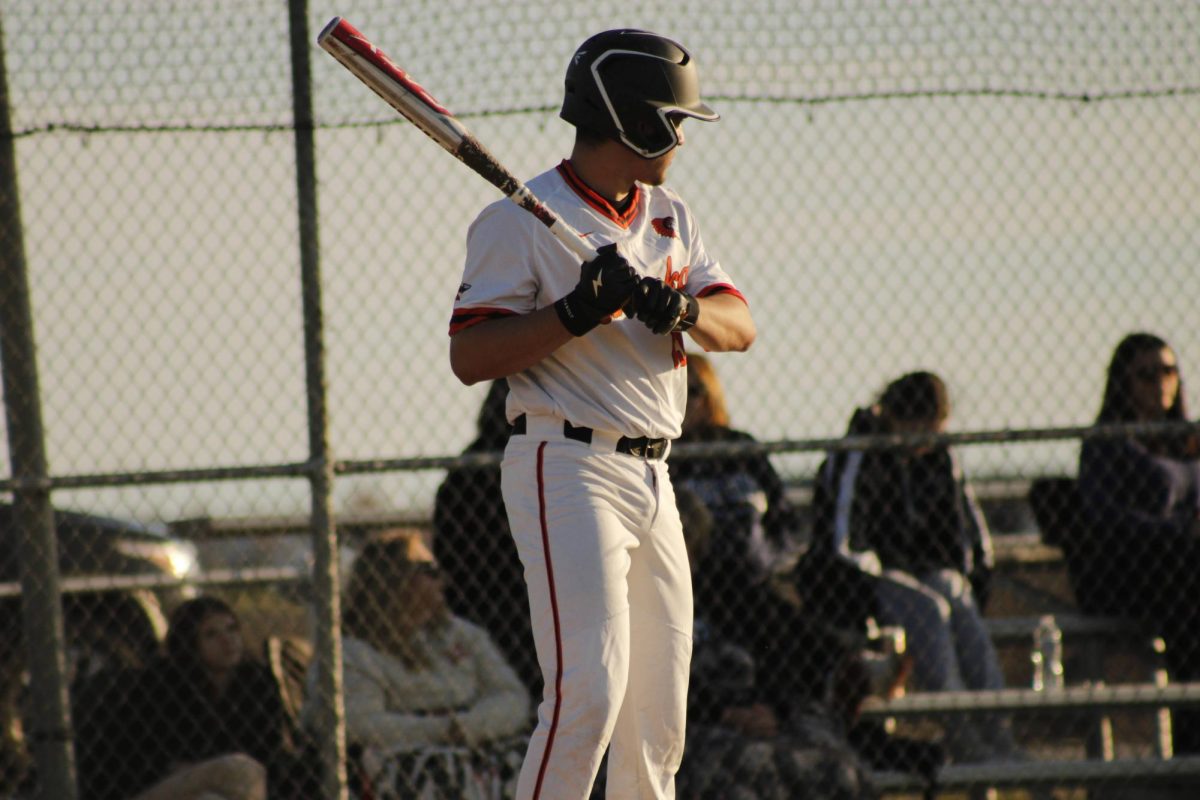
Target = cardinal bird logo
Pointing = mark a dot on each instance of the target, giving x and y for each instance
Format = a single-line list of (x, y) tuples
[(664, 226)]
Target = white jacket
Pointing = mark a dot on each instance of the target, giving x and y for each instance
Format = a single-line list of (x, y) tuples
[(389, 706)]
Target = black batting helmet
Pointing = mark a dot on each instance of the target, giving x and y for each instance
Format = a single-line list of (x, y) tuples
[(625, 84)]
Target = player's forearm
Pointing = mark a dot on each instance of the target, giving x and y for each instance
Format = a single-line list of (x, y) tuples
[(725, 324), (506, 345)]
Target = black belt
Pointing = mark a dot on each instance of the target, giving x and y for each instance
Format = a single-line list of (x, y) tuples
[(639, 446)]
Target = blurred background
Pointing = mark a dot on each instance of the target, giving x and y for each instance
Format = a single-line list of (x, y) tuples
[(997, 192)]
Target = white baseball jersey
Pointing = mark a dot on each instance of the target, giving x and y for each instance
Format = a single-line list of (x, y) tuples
[(620, 377)]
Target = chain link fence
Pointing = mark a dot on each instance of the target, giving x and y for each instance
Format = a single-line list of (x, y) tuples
[(236, 268)]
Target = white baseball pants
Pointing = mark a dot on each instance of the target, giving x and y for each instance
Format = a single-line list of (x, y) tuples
[(610, 595)]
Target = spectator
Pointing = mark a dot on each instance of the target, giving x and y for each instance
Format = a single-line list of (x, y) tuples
[(1141, 502), (902, 523), (804, 672), (755, 530), (474, 545), (758, 526), (211, 720), (737, 743), (430, 699)]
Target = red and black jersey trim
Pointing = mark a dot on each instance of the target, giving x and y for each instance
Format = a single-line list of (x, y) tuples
[(464, 318), (598, 203), (722, 288)]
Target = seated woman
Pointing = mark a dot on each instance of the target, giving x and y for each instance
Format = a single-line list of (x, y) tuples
[(903, 524), (1141, 502), (429, 698), (470, 529), (211, 720)]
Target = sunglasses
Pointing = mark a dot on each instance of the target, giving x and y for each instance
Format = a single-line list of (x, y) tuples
[(427, 569), (1157, 372)]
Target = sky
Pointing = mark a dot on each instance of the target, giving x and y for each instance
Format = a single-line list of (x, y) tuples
[(892, 185)]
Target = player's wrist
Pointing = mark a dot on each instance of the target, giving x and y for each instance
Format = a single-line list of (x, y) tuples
[(577, 317), (691, 313)]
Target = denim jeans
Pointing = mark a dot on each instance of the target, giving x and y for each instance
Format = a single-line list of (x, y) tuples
[(951, 651), (950, 646)]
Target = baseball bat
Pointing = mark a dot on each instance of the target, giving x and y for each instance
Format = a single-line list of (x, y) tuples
[(371, 66)]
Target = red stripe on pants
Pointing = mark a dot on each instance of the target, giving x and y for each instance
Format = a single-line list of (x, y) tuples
[(558, 654)]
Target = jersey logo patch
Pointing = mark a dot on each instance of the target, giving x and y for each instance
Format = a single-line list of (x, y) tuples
[(463, 288), (664, 226)]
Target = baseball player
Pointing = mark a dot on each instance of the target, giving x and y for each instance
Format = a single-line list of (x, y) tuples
[(594, 359)]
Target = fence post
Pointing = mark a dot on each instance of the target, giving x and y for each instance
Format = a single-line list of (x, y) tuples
[(330, 717), (41, 610)]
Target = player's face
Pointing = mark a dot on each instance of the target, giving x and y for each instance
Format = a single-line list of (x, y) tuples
[(653, 171), (1153, 382), (220, 643)]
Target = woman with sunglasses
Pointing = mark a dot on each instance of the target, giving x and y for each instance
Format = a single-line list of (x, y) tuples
[(430, 700), (1141, 507)]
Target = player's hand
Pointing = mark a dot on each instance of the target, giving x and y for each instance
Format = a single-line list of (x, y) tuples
[(664, 309), (606, 283)]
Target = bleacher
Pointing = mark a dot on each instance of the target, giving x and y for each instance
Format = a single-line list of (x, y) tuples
[(1064, 698), (1101, 718)]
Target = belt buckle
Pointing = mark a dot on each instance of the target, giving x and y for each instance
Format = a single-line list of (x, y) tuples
[(647, 449)]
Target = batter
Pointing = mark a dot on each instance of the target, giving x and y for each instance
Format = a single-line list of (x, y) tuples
[(594, 358)]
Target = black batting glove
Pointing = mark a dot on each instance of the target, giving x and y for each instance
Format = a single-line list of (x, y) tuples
[(606, 284), (663, 309)]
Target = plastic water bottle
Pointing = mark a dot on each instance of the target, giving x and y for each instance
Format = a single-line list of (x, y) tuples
[(1047, 655)]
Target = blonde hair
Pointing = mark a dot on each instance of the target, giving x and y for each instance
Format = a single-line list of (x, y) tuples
[(711, 407), (382, 573)]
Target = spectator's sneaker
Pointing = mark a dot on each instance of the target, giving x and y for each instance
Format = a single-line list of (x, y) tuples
[(966, 744), (886, 673), (1004, 748)]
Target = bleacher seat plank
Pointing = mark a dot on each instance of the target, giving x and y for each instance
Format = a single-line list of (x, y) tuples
[(1088, 698), (1143, 771)]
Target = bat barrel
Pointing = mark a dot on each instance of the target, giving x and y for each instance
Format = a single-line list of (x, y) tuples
[(327, 31), (384, 77), (335, 24)]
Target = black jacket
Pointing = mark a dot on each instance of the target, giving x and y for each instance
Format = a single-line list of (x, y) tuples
[(183, 723), (902, 511), (474, 545), (1137, 551)]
